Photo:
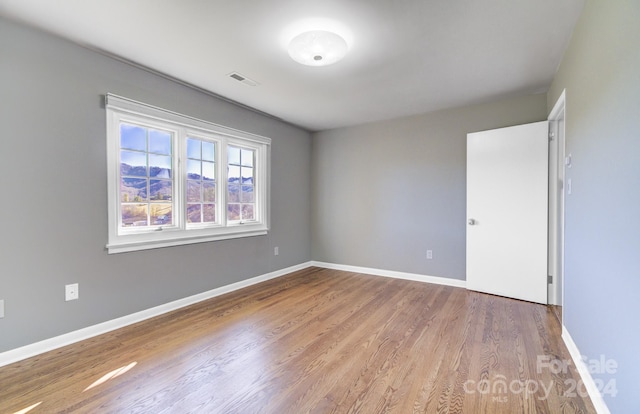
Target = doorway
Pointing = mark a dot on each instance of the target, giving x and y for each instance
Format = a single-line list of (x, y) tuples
[(558, 162)]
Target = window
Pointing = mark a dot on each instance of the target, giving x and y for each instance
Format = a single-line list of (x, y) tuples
[(240, 189), (177, 180), (201, 181)]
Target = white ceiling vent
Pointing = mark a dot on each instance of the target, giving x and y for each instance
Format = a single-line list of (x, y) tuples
[(241, 78)]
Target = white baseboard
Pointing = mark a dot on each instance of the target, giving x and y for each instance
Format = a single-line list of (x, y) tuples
[(391, 273), (28, 351), (587, 379), (50, 344)]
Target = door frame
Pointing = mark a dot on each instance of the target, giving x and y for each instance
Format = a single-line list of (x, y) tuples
[(557, 195)]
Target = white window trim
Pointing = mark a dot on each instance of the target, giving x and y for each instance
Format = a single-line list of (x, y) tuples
[(179, 233)]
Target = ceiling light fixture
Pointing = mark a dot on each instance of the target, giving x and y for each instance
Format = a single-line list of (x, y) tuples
[(317, 48)]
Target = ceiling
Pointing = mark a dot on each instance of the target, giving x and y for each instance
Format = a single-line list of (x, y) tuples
[(406, 56)]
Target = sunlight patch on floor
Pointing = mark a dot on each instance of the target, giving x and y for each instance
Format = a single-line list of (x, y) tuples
[(26, 410), (111, 375)]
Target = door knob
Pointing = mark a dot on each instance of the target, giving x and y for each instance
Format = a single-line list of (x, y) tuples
[(472, 222)]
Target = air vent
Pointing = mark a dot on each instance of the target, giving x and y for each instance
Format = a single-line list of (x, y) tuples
[(241, 78)]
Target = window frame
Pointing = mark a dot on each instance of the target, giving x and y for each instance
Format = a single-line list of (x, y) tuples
[(125, 239)]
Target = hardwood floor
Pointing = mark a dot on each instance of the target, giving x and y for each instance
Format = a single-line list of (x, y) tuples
[(315, 341), (557, 312)]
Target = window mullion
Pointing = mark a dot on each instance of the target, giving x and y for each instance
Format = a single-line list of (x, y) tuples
[(224, 182), (180, 177), (256, 186), (148, 177)]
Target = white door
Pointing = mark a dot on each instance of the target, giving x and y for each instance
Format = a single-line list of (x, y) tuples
[(507, 210)]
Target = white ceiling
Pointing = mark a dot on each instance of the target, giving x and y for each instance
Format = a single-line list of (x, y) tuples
[(406, 57)]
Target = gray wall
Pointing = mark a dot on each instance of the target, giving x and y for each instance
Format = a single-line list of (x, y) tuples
[(384, 193), (601, 74), (54, 193)]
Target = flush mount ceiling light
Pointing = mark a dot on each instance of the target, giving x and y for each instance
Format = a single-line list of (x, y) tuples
[(317, 48)]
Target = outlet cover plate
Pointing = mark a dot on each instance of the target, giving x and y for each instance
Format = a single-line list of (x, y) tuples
[(71, 292)]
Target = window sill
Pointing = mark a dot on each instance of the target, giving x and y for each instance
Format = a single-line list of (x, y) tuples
[(130, 245)]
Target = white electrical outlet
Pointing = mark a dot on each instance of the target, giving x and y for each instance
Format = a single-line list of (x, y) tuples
[(71, 292), (276, 251), (429, 254), (1, 308)]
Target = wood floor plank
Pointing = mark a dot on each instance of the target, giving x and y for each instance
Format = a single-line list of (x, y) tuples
[(314, 341)]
